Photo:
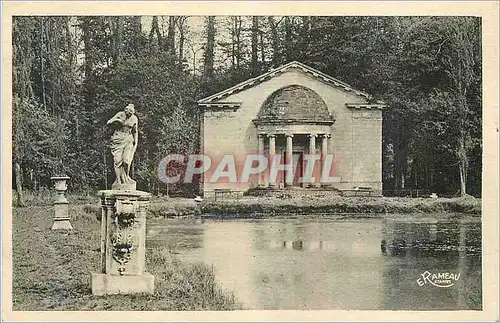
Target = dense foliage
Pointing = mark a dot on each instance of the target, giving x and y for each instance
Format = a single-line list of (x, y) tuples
[(70, 74)]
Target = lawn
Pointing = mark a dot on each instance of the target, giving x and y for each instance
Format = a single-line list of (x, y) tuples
[(52, 270)]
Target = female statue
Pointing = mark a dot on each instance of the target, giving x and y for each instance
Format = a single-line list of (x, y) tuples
[(123, 146)]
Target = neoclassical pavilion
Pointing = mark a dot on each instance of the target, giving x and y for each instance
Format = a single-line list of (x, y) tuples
[(289, 113)]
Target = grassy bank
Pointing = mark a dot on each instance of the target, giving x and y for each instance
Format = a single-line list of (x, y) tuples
[(52, 270), (269, 207), (263, 207)]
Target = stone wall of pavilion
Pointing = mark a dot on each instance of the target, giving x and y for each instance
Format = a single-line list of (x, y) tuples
[(356, 138)]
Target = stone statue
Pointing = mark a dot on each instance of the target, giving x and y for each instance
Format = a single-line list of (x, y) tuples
[(123, 146)]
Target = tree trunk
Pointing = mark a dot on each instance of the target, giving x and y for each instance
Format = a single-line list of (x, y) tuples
[(262, 48), (463, 178), (181, 45), (155, 30), (288, 39), (305, 38), (19, 184), (400, 162), (137, 35), (208, 64), (170, 43), (462, 165), (275, 40), (238, 41), (69, 41), (42, 57), (181, 23), (233, 43), (255, 34), (89, 61), (117, 39)]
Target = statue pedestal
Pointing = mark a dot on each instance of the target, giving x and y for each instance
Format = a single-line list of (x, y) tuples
[(123, 244), (61, 215)]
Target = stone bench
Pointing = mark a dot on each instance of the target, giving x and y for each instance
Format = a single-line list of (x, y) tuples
[(360, 190), (221, 192)]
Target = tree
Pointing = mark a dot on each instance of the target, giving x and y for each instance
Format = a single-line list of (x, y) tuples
[(71, 73), (155, 31), (255, 35), (275, 40), (461, 59), (183, 29), (208, 55), (170, 41), (22, 61)]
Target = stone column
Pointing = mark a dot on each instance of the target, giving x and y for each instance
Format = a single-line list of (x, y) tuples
[(260, 151), (123, 244), (272, 153), (289, 160), (324, 146), (312, 151), (107, 211), (324, 152), (61, 210), (312, 143)]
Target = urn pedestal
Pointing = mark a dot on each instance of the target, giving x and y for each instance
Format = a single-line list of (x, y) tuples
[(61, 216), (123, 244)]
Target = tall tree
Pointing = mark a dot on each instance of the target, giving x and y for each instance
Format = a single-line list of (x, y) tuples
[(276, 60), (255, 38), (170, 41), (117, 37), (208, 55), (183, 29), (22, 61), (155, 31)]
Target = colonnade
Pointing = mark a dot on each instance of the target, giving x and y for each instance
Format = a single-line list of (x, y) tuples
[(289, 170)]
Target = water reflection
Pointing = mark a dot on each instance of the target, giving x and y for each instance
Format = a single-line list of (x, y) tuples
[(314, 264), (430, 239), (438, 247)]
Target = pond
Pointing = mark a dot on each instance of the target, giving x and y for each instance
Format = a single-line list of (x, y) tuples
[(393, 263)]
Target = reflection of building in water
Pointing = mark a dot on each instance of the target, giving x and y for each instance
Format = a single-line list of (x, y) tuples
[(316, 266), (314, 245), (339, 265), (300, 245), (295, 245)]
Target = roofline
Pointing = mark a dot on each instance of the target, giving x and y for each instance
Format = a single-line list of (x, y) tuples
[(376, 106), (221, 105), (318, 74), (292, 121)]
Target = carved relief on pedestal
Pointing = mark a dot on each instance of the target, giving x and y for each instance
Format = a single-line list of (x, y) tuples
[(121, 236)]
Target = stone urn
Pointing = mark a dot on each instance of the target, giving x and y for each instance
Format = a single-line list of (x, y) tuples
[(61, 217)]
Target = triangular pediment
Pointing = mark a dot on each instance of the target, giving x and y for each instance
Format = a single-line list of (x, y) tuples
[(214, 99)]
